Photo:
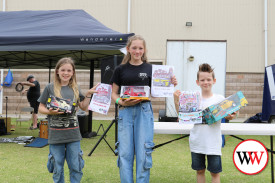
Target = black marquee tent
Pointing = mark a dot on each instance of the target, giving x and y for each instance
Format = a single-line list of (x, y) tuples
[(38, 39)]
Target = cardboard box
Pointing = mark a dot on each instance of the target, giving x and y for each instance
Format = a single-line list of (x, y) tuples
[(135, 92), (229, 105), (62, 105)]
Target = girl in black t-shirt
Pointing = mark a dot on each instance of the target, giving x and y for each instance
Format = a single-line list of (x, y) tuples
[(136, 120)]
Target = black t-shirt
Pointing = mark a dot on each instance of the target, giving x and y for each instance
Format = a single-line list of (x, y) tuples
[(133, 75), (34, 92)]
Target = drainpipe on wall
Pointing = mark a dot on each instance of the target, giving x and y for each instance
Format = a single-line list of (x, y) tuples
[(265, 31), (4, 5), (129, 17), (2, 70)]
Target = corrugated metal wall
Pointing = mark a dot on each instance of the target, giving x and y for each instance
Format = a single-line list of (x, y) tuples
[(240, 23)]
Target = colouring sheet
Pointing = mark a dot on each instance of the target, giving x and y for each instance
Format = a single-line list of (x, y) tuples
[(101, 101), (190, 107), (161, 85)]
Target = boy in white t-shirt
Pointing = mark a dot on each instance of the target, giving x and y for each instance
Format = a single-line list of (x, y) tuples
[(205, 140)]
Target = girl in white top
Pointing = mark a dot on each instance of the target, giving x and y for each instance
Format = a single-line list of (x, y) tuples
[(205, 140)]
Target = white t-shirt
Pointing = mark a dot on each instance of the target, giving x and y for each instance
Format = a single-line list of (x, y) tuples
[(206, 139)]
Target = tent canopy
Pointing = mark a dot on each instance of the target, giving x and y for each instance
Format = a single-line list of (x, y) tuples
[(40, 38)]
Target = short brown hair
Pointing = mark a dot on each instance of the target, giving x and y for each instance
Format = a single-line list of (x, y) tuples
[(205, 68)]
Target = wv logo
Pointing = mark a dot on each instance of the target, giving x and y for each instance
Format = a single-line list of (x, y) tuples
[(250, 156)]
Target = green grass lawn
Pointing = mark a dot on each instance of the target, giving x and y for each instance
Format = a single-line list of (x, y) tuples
[(171, 163)]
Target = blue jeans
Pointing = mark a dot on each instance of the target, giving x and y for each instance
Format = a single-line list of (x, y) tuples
[(135, 137), (73, 155)]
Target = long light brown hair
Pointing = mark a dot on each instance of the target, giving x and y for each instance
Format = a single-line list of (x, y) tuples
[(72, 82), (127, 57)]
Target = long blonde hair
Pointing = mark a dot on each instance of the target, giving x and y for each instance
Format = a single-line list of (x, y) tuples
[(127, 57), (72, 82)]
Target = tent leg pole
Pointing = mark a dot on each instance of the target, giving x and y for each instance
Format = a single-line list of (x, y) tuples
[(50, 66), (90, 119)]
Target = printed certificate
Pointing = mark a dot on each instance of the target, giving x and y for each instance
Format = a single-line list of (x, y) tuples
[(101, 101), (161, 85)]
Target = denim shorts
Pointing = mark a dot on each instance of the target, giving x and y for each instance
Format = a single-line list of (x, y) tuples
[(214, 162)]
